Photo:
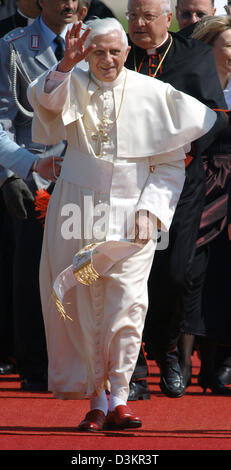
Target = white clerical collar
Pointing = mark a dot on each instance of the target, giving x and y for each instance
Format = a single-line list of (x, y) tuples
[(109, 85), (153, 50)]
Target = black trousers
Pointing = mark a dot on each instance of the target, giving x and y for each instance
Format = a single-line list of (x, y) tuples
[(30, 341), (6, 309), (212, 317), (193, 318)]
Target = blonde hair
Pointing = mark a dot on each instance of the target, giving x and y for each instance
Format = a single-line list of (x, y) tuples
[(210, 27)]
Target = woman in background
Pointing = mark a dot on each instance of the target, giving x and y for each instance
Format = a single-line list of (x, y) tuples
[(207, 316)]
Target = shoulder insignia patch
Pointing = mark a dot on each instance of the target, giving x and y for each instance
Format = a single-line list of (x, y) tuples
[(15, 34)]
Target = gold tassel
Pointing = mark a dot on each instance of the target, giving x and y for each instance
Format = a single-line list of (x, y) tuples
[(60, 307), (86, 274)]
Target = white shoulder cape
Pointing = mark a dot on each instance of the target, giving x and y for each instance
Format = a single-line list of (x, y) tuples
[(155, 117)]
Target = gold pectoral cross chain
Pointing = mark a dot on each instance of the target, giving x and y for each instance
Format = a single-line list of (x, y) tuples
[(100, 137)]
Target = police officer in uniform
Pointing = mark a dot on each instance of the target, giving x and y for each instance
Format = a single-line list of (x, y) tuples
[(27, 11), (25, 53)]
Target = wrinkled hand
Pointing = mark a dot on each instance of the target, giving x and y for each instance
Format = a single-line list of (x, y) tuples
[(75, 50), (144, 226), (49, 168), (15, 192)]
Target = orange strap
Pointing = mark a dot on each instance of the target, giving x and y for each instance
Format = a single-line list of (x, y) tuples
[(188, 159), (226, 111)]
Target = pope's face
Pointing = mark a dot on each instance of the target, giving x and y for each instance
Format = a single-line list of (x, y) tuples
[(107, 59), (191, 11), (147, 25), (58, 13)]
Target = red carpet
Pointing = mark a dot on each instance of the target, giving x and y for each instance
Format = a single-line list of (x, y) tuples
[(37, 421)]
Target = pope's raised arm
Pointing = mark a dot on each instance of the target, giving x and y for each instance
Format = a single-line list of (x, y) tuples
[(76, 49)]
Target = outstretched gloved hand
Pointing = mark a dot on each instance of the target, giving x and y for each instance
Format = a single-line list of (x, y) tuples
[(15, 193)]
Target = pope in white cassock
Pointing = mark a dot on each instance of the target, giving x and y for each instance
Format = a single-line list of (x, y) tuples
[(124, 166)]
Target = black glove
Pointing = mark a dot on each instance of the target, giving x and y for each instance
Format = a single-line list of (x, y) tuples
[(15, 192)]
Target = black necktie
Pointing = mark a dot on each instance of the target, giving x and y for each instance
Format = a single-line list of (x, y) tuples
[(59, 51)]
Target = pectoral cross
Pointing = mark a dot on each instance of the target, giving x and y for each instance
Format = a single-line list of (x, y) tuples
[(100, 137)]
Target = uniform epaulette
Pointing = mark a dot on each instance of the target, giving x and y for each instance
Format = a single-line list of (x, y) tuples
[(15, 34)]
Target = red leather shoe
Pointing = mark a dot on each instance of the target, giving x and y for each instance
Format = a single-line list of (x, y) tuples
[(122, 417), (93, 421)]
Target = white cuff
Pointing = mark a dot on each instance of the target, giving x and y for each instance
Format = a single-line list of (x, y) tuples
[(57, 75)]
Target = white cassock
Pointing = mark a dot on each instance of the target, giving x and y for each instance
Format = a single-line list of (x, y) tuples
[(148, 126)]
